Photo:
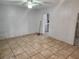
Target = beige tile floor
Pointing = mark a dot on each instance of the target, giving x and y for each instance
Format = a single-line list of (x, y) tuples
[(37, 47)]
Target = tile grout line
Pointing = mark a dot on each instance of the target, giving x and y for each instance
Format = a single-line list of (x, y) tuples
[(24, 51), (11, 50), (71, 53), (34, 48)]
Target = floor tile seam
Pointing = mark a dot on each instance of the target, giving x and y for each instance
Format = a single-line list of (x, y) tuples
[(24, 50), (12, 51), (72, 53)]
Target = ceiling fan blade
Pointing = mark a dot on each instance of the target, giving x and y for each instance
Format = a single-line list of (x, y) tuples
[(24, 3), (46, 3), (35, 4), (37, 1)]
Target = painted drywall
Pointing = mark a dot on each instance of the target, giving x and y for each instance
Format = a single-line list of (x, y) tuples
[(63, 22), (16, 20), (63, 19)]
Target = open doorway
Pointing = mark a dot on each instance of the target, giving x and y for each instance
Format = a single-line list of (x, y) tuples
[(76, 43), (45, 22)]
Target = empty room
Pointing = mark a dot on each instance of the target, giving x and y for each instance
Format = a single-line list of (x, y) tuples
[(39, 29)]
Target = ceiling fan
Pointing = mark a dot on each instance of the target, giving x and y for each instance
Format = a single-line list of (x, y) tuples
[(31, 3)]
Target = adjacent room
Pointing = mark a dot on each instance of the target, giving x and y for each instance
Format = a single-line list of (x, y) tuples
[(39, 29)]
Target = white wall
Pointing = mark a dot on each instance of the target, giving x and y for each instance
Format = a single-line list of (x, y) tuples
[(17, 20), (63, 23), (63, 20)]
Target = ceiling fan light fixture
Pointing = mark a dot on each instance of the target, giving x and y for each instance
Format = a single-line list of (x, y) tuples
[(30, 4)]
